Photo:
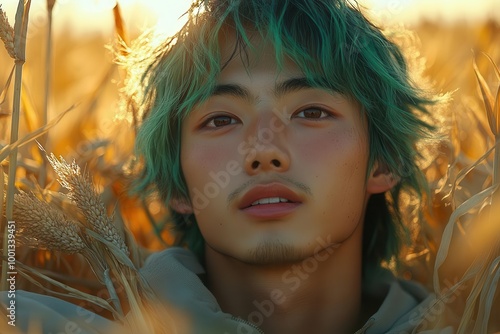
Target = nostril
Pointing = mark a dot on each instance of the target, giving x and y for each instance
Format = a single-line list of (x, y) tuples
[(276, 163), (255, 164)]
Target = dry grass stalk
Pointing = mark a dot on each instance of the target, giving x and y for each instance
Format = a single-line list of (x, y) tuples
[(120, 27), (83, 193), (492, 106), (481, 276), (7, 34), (43, 226), (30, 274), (20, 30), (486, 281), (48, 80), (3, 93), (5, 151), (50, 4)]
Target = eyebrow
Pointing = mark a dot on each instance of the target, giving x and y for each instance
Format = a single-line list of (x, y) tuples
[(291, 85), (281, 88)]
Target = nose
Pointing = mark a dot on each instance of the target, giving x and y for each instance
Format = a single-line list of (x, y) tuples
[(266, 158)]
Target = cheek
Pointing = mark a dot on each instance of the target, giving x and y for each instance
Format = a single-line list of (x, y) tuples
[(344, 151), (199, 160), (335, 164)]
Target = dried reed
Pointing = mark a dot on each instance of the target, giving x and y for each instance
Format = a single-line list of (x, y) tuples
[(20, 31), (483, 273), (486, 283), (48, 81)]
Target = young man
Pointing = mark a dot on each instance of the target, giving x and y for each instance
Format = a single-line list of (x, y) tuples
[(281, 134)]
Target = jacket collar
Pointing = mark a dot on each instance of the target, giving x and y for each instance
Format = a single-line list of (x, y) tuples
[(173, 274)]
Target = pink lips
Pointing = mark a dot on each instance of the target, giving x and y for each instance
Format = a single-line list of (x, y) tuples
[(271, 210)]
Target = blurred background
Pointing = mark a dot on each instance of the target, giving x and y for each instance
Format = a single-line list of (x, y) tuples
[(438, 36)]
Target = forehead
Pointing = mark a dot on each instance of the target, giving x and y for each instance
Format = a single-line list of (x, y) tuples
[(255, 65), (257, 56)]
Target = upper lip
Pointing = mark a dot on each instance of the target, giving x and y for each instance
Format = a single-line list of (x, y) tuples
[(266, 191)]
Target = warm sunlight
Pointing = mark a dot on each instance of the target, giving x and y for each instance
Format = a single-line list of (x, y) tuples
[(146, 13), (412, 11), (310, 157), (394, 11)]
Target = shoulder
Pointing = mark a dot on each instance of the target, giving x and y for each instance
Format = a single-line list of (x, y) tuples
[(174, 276), (407, 307), (45, 314)]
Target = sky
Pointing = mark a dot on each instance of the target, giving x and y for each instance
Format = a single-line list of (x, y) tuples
[(411, 11), (89, 15)]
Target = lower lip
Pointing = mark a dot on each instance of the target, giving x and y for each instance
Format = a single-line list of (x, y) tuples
[(271, 211)]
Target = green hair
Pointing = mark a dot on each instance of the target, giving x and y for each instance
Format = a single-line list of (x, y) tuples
[(337, 48)]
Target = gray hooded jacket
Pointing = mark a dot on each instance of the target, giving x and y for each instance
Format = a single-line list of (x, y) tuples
[(173, 274)]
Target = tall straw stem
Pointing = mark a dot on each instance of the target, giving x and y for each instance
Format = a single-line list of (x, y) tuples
[(21, 29), (48, 81), (13, 138)]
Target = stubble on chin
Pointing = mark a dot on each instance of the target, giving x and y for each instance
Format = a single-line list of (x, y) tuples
[(274, 252)]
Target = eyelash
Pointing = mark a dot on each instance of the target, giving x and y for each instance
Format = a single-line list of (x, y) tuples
[(234, 120), (212, 119), (321, 110)]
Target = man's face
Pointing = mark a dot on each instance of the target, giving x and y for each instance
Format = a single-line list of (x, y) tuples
[(273, 164)]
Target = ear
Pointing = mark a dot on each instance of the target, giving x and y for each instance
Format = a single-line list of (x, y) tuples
[(181, 206), (381, 179)]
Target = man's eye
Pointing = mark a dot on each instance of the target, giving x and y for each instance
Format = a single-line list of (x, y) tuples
[(219, 121), (314, 113)]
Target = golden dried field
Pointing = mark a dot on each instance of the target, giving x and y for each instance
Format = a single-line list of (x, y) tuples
[(69, 104)]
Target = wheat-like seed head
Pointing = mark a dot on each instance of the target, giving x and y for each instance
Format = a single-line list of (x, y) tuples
[(83, 193), (43, 226), (7, 34)]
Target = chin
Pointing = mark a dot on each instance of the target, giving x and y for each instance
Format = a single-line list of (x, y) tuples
[(275, 252)]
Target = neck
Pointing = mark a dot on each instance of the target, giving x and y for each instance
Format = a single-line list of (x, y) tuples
[(319, 294)]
